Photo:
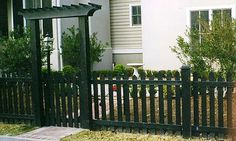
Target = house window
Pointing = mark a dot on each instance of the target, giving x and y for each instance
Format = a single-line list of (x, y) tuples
[(195, 16), (136, 15), (206, 15)]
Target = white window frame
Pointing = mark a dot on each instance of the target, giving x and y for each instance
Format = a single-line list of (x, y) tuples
[(130, 14), (128, 51), (210, 9)]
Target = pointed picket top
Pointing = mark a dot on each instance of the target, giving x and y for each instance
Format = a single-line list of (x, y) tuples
[(65, 11)]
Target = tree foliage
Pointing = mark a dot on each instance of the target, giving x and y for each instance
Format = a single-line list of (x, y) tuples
[(71, 47), (15, 52), (212, 49)]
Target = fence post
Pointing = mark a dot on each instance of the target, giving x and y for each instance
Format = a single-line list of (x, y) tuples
[(85, 75), (37, 96), (186, 101)]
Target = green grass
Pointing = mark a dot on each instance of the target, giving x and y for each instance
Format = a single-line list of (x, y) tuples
[(113, 136), (14, 129)]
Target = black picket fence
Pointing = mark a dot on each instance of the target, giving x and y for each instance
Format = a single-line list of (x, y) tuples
[(176, 103), (15, 99), (60, 100), (180, 102)]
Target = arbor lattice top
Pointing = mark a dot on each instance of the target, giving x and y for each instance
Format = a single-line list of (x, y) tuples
[(65, 11)]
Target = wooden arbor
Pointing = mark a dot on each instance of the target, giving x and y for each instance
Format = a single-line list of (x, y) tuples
[(82, 11)]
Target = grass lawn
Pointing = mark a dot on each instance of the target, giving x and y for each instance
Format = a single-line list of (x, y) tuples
[(14, 129), (112, 136)]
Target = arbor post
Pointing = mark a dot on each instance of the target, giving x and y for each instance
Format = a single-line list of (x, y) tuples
[(186, 101), (85, 75), (36, 73)]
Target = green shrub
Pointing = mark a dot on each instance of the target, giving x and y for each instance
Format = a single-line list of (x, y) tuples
[(71, 47), (141, 72), (155, 73), (44, 70), (149, 73), (163, 73), (129, 72), (15, 52), (69, 70), (174, 72), (120, 69), (214, 51)]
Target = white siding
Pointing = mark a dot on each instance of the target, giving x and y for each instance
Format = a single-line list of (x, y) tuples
[(124, 36), (163, 21)]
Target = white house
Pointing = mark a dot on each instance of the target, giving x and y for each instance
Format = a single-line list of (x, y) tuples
[(149, 41), (137, 31), (163, 21)]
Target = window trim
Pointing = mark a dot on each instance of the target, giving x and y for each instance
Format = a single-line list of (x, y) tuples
[(130, 14), (128, 51), (210, 9)]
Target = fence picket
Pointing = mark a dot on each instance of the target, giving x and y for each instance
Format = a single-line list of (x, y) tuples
[(57, 95), (135, 100), (229, 101), (161, 100), (196, 101), (126, 100), (152, 101), (52, 101), (212, 100), (10, 100), (27, 97), (169, 99), (5, 103), (220, 104), (103, 99), (177, 100), (204, 104), (119, 102), (21, 97), (69, 101), (95, 90), (111, 100), (63, 101), (15, 96), (75, 99), (143, 98)]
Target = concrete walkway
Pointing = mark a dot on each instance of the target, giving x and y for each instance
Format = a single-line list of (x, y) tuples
[(44, 134)]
